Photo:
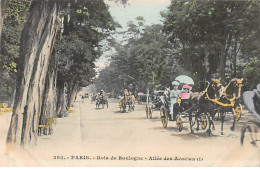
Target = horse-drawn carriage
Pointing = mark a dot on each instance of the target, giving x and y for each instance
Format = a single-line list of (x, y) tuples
[(101, 99), (155, 103), (182, 108), (141, 97), (127, 100), (201, 107)]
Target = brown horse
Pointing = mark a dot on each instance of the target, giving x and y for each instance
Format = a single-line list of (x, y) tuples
[(205, 105)]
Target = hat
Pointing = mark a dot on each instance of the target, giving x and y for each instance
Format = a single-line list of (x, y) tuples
[(175, 83), (187, 86), (258, 87)]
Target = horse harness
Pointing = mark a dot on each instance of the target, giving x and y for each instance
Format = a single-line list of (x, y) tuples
[(231, 100)]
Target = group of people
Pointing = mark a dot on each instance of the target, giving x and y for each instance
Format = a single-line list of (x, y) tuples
[(251, 98), (100, 95), (127, 93), (175, 93)]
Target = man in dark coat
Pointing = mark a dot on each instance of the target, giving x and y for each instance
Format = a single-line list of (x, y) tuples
[(252, 101)]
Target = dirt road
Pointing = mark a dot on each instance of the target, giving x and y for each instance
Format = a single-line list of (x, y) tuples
[(107, 137), (108, 132)]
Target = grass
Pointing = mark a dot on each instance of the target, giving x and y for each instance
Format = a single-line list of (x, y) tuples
[(6, 110), (70, 111)]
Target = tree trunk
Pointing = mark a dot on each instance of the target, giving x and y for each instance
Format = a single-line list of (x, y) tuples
[(223, 58), (3, 4), (73, 89), (61, 100), (49, 96), (37, 42), (235, 58)]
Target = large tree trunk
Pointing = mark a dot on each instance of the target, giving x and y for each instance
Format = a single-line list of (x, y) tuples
[(37, 42), (61, 100), (72, 92), (49, 96)]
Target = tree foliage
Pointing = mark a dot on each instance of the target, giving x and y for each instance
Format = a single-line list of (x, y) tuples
[(16, 13), (201, 39), (86, 24), (138, 63), (213, 34)]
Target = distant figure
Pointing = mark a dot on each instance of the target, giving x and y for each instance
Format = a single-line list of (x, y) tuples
[(252, 101), (101, 94), (82, 99), (126, 93)]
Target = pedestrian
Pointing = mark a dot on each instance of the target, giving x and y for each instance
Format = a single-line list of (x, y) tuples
[(82, 98)]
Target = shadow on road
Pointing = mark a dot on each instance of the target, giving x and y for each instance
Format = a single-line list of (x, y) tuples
[(120, 112), (155, 119), (132, 118), (169, 128), (100, 108), (185, 134), (198, 135)]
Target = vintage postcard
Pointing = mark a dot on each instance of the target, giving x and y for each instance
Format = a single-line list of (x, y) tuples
[(130, 83)]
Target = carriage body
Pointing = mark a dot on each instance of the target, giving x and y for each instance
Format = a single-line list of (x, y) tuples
[(156, 103), (183, 109), (141, 97)]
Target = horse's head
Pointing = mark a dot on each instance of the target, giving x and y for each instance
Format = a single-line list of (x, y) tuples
[(215, 88), (234, 87)]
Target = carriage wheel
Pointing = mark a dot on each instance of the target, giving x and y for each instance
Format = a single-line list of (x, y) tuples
[(253, 133), (124, 106), (164, 117), (120, 105), (238, 112), (179, 123), (150, 112), (146, 111), (203, 122)]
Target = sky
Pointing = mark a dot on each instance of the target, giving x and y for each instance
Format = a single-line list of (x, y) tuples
[(149, 9)]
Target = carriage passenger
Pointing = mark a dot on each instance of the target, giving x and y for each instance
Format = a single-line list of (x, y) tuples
[(102, 94), (186, 93), (126, 93), (174, 94)]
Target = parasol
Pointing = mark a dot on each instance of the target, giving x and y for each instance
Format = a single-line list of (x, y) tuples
[(185, 79)]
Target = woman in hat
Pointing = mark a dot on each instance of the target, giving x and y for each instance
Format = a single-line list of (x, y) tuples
[(174, 94)]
